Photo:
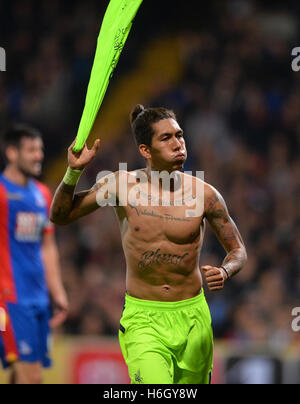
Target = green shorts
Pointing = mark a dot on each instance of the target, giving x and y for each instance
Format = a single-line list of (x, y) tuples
[(167, 342)]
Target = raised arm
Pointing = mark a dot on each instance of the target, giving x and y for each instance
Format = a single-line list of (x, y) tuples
[(66, 206), (217, 215)]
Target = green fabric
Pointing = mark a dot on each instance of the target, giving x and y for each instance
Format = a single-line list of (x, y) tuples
[(114, 31), (167, 342)]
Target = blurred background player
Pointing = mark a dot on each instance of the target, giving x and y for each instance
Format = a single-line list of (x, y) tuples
[(29, 267)]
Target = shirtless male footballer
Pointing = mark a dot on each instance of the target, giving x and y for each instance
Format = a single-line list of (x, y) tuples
[(165, 330)]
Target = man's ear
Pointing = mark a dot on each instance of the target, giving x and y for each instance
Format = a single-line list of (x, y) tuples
[(145, 151), (12, 154)]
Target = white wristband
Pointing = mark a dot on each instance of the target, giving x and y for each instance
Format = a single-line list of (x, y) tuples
[(72, 176)]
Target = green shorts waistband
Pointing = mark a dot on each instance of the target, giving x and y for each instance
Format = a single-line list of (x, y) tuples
[(131, 301)]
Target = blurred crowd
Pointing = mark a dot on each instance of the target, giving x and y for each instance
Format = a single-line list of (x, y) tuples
[(239, 105), (54, 43)]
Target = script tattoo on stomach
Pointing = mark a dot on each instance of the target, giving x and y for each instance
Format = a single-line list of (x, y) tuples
[(148, 258)]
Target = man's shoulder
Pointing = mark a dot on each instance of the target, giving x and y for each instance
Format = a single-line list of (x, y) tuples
[(2, 183), (44, 190), (188, 176), (111, 176), (199, 180), (210, 190), (130, 176), (3, 195), (212, 198)]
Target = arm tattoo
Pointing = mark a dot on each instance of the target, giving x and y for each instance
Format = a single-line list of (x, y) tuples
[(227, 233), (234, 261), (62, 203)]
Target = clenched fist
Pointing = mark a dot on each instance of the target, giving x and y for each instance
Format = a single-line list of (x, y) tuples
[(215, 277)]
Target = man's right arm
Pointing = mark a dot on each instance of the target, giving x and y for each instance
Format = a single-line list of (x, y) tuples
[(67, 207)]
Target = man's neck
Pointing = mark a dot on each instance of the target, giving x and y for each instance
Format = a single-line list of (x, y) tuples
[(14, 175), (175, 183)]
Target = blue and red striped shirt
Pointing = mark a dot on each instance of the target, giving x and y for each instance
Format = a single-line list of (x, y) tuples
[(24, 219)]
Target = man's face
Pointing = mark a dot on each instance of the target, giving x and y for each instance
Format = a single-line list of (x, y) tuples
[(168, 151), (28, 157)]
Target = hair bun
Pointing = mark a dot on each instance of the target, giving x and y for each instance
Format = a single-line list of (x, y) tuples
[(135, 113)]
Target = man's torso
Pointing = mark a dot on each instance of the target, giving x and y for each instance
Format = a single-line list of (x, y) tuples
[(162, 244)]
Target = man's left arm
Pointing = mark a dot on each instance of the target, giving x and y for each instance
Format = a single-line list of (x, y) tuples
[(217, 215), (56, 289)]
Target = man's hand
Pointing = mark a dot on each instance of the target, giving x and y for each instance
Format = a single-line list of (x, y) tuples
[(79, 160), (60, 311), (215, 277)]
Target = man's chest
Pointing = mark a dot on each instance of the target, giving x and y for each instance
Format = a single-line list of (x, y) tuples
[(27, 215), (166, 223)]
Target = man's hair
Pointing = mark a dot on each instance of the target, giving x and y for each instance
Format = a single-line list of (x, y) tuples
[(142, 119), (13, 135)]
